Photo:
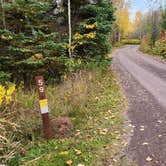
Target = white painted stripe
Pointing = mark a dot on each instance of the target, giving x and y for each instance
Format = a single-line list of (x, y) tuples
[(44, 110)]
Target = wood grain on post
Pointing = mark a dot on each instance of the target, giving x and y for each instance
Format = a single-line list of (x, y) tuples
[(44, 106)]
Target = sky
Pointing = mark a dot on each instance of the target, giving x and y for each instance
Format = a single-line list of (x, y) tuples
[(140, 5)]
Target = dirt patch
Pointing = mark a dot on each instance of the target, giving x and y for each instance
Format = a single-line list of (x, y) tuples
[(61, 127)]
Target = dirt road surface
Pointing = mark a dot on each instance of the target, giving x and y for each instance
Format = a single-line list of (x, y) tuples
[(144, 82)]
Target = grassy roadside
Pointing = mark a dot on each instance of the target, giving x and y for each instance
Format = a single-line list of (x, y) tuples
[(93, 101), (155, 56)]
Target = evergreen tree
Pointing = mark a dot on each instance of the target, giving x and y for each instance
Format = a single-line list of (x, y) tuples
[(34, 37)]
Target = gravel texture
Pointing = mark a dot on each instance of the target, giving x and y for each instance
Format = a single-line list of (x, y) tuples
[(144, 82)]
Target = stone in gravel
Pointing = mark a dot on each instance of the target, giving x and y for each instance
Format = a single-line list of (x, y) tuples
[(148, 158)]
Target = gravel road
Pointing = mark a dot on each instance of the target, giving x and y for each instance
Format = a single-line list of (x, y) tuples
[(144, 82)]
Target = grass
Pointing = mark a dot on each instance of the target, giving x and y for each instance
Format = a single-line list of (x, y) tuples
[(93, 101), (127, 41)]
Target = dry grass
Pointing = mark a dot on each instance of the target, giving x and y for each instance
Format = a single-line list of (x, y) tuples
[(8, 144)]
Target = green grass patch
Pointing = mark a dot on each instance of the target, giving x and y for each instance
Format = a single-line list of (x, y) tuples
[(127, 41), (95, 104)]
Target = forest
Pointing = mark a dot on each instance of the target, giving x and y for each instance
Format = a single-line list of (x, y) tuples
[(70, 44)]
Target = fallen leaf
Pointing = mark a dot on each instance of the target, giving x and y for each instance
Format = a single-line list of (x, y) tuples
[(64, 153), (148, 158), (77, 134), (130, 125), (112, 117), (80, 165), (145, 143), (142, 128), (159, 136), (125, 143), (106, 118), (104, 131), (159, 121), (78, 152), (69, 162)]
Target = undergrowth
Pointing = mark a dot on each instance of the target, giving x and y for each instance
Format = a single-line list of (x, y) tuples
[(92, 100)]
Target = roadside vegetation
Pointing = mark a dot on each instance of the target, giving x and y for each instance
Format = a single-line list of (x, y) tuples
[(85, 102), (152, 30), (127, 41), (69, 44), (90, 100)]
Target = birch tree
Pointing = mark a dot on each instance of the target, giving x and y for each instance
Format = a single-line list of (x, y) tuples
[(69, 24)]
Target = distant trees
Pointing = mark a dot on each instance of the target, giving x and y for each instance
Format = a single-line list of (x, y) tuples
[(153, 29), (122, 25)]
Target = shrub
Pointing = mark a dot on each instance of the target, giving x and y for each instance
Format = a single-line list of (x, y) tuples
[(92, 36), (131, 41), (160, 48), (8, 144), (145, 45)]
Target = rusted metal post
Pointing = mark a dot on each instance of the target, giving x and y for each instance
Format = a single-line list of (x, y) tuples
[(44, 106)]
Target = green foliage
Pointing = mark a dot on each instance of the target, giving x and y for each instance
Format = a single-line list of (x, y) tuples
[(99, 65), (101, 15), (131, 41), (28, 16), (128, 41), (88, 97), (4, 77), (34, 43), (163, 20), (160, 48)]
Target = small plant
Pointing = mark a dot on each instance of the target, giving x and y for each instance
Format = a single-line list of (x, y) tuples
[(8, 145), (145, 45), (160, 48), (131, 41)]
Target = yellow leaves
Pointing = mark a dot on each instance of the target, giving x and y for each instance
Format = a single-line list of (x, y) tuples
[(64, 153), (2, 93), (78, 36), (79, 39), (90, 26), (65, 76), (36, 57), (79, 61), (104, 131), (11, 89), (80, 43), (6, 94), (72, 47), (91, 35), (6, 37)]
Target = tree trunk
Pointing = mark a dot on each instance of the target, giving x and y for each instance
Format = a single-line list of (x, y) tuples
[(69, 23), (119, 36), (3, 14)]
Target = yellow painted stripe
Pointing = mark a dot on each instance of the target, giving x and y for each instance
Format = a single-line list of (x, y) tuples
[(43, 103)]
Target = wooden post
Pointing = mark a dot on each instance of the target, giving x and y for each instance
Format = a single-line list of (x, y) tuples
[(44, 106)]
